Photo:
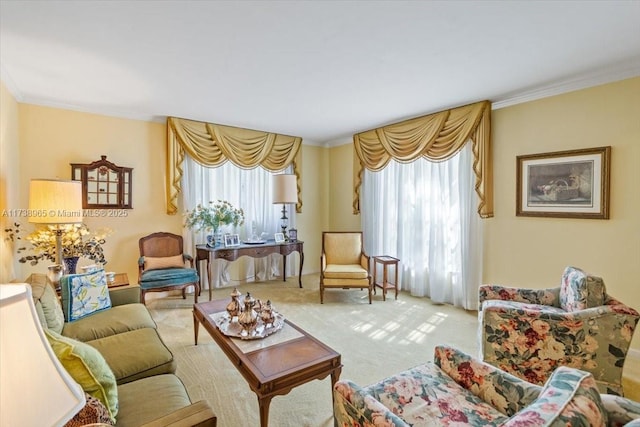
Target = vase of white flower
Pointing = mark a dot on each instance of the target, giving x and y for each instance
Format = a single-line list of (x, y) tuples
[(211, 218)]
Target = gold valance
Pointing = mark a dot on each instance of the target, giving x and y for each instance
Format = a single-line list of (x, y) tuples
[(435, 137), (212, 145)]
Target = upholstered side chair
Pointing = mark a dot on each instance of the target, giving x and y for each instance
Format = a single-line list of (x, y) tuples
[(343, 262), (531, 332), (163, 266)]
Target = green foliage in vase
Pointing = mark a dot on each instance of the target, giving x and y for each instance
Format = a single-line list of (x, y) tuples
[(210, 218)]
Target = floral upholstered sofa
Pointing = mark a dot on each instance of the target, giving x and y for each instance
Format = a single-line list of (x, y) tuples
[(530, 332), (459, 390)]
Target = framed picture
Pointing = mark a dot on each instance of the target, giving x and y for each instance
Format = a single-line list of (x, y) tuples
[(279, 237), (231, 240), (293, 234), (564, 184)]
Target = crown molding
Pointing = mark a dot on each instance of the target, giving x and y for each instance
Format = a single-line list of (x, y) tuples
[(584, 81), (5, 77)]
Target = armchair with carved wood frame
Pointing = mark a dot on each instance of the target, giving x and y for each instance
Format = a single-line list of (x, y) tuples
[(162, 265)]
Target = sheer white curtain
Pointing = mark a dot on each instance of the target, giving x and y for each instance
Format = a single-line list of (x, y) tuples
[(250, 190), (424, 213)]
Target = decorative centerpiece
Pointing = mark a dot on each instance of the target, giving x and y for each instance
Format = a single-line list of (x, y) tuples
[(234, 308), (210, 218), (77, 241), (248, 318)]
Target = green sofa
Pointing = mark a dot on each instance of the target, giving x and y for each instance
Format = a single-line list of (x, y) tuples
[(148, 392)]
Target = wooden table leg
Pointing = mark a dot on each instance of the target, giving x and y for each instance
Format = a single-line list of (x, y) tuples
[(396, 282), (264, 403), (284, 268), (196, 328), (300, 273)]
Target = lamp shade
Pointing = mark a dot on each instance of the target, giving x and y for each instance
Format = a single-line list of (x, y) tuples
[(285, 189), (35, 390), (55, 202)]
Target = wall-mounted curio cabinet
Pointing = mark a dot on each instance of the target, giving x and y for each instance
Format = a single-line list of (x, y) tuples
[(104, 185)]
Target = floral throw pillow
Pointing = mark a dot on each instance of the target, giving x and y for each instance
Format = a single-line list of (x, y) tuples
[(579, 290), (569, 398), (84, 294)]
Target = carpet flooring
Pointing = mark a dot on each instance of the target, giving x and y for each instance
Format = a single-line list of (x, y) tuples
[(375, 341)]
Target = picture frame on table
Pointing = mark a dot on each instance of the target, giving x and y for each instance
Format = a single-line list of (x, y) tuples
[(564, 184), (231, 240), (279, 237), (293, 234)]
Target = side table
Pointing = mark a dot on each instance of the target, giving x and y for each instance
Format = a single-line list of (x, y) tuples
[(385, 261), (121, 279)]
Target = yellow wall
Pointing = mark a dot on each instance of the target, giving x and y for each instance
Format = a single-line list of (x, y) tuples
[(532, 252), (9, 177), (341, 217), (518, 251), (51, 139), (315, 199)]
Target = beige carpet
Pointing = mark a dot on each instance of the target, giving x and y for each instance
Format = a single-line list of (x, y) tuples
[(374, 340)]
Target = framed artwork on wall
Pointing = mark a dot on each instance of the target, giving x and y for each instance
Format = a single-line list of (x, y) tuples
[(564, 184)]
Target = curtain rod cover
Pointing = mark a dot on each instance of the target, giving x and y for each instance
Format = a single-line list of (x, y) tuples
[(212, 145), (435, 137)]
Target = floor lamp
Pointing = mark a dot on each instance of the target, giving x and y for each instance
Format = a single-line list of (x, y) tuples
[(35, 390), (56, 203), (285, 191)]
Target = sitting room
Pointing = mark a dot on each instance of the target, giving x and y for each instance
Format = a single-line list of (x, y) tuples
[(322, 213)]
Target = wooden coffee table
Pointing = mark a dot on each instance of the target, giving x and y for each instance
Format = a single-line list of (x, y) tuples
[(273, 365)]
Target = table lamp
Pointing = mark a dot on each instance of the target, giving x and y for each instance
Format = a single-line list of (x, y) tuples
[(35, 390), (55, 202), (285, 191)]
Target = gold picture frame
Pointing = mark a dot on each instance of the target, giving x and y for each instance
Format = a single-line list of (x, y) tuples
[(564, 184)]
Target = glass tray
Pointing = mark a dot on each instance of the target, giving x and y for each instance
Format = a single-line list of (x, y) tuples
[(234, 329)]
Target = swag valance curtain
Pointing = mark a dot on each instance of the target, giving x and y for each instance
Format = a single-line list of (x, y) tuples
[(436, 137), (212, 145)]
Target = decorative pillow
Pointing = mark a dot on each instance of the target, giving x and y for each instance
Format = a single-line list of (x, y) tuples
[(84, 294), (88, 368), (569, 398), (154, 263), (579, 290), (92, 412)]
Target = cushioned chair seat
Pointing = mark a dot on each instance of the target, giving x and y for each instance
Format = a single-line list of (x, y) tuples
[(149, 399), (417, 394), (136, 354), (114, 321), (348, 271), (167, 276)]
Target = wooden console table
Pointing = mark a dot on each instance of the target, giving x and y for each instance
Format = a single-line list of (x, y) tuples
[(205, 253)]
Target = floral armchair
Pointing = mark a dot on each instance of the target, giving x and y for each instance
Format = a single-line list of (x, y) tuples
[(457, 389), (531, 332)]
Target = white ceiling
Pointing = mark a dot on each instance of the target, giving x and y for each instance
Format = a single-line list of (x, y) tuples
[(322, 70)]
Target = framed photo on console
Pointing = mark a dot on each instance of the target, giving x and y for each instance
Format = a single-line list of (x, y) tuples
[(279, 237), (293, 234), (231, 240), (564, 184)]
